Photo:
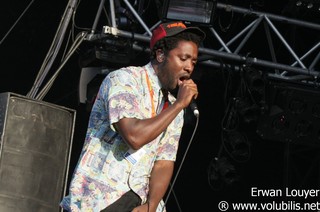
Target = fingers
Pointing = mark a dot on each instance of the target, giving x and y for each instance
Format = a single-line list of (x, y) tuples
[(141, 208), (190, 87), (188, 90)]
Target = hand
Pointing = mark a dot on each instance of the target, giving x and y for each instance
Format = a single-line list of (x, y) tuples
[(141, 208), (187, 91)]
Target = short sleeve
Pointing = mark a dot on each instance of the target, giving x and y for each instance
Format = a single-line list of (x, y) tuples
[(123, 95)]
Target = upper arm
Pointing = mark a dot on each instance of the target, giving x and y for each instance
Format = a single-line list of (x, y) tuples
[(123, 98), (125, 127)]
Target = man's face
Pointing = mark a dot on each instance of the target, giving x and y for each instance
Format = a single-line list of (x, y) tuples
[(178, 64)]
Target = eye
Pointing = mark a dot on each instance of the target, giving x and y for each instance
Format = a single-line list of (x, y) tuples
[(194, 62)]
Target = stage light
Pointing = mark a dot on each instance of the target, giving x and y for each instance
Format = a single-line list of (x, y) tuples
[(248, 111), (311, 6), (297, 106), (114, 50), (237, 145), (221, 173), (280, 124), (256, 83), (293, 114), (124, 18), (192, 11), (303, 128)]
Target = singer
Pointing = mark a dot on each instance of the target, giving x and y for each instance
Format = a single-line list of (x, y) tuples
[(131, 143)]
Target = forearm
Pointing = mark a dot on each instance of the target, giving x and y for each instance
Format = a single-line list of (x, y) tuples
[(159, 181), (138, 132)]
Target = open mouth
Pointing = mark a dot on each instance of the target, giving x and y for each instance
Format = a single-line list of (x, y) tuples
[(183, 78)]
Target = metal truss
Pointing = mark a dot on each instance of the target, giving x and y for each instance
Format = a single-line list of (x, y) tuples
[(237, 50), (298, 66), (298, 69)]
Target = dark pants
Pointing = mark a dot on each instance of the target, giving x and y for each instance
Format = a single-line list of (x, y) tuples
[(126, 203)]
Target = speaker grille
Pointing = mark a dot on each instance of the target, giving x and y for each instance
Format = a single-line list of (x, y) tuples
[(35, 152)]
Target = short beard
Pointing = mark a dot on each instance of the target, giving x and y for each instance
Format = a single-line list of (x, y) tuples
[(166, 78)]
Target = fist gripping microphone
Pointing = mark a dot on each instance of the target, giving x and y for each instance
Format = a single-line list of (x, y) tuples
[(194, 108)]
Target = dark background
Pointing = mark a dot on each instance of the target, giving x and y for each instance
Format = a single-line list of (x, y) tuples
[(270, 165)]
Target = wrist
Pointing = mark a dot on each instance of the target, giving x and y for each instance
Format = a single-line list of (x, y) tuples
[(151, 206), (178, 105)]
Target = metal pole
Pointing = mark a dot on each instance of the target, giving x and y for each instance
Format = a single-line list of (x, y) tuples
[(271, 16), (96, 20), (54, 49), (138, 17)]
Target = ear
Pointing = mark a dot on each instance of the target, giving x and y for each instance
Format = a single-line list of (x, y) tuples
[(160, 56)]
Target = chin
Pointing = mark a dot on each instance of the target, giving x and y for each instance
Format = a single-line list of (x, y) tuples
[(174, 91)]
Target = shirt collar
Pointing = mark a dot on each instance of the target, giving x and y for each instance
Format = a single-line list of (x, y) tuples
[(155, 82)]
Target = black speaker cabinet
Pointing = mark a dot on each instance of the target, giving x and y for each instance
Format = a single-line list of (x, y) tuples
[(35, 150)]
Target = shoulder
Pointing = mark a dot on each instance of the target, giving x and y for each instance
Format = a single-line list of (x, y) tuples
[(127, 77), (127, 71)]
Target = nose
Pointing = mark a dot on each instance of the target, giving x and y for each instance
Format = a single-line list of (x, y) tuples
[(189, 67)]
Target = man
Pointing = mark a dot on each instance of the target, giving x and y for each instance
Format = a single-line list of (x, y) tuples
[(131, 143)]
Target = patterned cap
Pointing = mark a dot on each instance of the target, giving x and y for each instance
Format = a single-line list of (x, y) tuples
[(171, 29)]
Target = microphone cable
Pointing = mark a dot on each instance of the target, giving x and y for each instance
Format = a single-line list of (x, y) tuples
[(182, 161)]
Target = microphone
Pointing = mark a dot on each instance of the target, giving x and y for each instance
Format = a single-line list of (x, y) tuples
[(194, 108)]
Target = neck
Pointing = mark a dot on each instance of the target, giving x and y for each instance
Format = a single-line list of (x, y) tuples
[(155, 64)]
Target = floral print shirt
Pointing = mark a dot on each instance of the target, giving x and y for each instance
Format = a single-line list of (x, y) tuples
[(107, 167)]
